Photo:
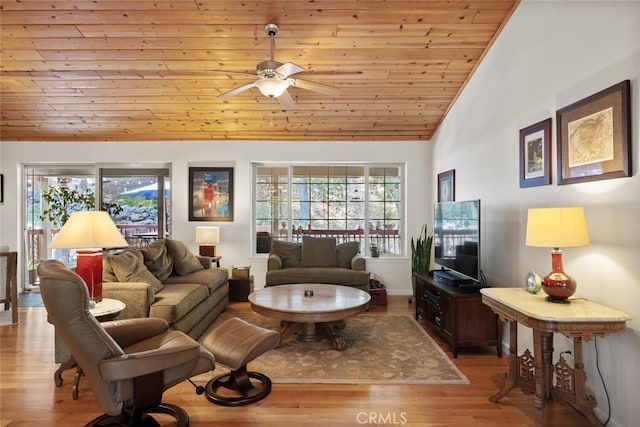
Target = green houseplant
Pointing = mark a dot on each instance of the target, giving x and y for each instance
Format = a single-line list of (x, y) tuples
[(420, 254), (60, 199)]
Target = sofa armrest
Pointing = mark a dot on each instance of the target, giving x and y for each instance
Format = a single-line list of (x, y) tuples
[(207, 262), (274, 262), (358, 263), (138, 297)]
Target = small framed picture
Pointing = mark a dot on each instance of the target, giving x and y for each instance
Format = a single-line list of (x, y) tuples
[(535, 154), (447, 186), (594, 136), (210, 194), (1, 188)]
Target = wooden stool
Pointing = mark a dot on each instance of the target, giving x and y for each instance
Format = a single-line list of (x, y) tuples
[(11, 292), (234, 344)]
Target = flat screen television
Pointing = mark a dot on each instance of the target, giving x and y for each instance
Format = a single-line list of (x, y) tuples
[(456, 242)]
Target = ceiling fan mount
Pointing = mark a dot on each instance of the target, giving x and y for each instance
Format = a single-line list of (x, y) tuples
[(274, 77)]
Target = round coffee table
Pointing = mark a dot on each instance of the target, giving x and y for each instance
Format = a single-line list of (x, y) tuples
[(314, 306)]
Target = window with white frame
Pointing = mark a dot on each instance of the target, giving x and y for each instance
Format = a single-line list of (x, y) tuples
[(354, 202)]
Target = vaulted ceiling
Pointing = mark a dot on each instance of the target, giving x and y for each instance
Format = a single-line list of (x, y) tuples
[(144, 70)]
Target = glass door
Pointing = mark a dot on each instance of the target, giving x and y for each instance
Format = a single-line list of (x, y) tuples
[(138, 201), (52, 194)]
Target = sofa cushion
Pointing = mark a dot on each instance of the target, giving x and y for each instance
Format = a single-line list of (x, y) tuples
[(184, 261), (345, 253), (318, 252), (289, 252), (157, 259), (213, 278), (173, 302), (129, 267)]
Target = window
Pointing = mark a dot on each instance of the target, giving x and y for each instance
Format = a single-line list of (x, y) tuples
[(349, 202)]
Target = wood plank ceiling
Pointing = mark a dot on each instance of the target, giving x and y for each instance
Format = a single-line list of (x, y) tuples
[(145, 70)]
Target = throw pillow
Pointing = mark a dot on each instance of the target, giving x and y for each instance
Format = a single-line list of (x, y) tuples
[(345, 253), (318, 252), (157, 260), (289, 252), (184, 261), (129, 268)]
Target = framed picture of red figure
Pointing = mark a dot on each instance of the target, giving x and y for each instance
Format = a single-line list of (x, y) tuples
[(210, 194)]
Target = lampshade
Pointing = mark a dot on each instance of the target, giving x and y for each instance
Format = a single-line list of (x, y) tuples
[(208, 235), (272, 87), (557, 227), (89, 232), (88, 229)]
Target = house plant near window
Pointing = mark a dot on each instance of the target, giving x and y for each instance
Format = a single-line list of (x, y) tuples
[(420, 255)]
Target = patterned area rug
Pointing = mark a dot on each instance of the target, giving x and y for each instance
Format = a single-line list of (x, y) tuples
[(389, 349)]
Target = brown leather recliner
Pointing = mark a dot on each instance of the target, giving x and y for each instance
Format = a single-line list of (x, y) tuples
[(129, 363)]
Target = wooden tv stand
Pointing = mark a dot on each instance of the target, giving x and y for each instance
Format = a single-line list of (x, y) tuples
[(460, 318)]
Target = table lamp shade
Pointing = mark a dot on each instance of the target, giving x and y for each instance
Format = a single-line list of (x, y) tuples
[(89, 232), (207, 237), (556, 228)]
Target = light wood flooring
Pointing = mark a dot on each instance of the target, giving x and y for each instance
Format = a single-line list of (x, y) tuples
[(29, 396)]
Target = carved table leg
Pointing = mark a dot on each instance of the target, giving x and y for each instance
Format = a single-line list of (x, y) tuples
[(584, 401), (543, 351), (337, 341), (57, 375), (510, 379)]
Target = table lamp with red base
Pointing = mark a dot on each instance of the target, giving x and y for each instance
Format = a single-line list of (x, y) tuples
[(207, 238), (89, 232), (556, 228)]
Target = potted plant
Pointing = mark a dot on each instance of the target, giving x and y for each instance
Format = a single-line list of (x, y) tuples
[(420, 254), (60, 199)]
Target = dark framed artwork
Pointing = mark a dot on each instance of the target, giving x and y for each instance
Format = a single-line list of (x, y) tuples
[(1, 188), (594, 136), (447, 186), (535, 154), (210, 194)]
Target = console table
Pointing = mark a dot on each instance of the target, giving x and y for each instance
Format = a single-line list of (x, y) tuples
[(580, 320)]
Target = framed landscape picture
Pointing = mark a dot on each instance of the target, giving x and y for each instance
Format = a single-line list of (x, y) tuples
[(535, 154), (594, 136), (447, 186), (210, 194)]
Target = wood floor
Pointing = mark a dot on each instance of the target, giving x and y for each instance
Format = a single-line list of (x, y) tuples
[(28, 394)]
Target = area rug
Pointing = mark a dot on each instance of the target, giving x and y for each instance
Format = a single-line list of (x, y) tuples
[(382, 348)]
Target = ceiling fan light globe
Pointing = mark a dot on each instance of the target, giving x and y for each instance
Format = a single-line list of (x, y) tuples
[(272, 87)]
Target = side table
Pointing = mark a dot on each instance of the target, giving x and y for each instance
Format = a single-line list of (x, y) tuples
[(105, 310), (239, 289)]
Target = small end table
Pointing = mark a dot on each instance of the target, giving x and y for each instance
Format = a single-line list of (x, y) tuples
[(105, 310)]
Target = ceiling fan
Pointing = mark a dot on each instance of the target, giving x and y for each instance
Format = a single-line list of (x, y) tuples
[(274, 78)]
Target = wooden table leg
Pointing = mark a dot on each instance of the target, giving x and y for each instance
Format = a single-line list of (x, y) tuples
[(512, 370), (584, 401), (543, 353), (57, 375)]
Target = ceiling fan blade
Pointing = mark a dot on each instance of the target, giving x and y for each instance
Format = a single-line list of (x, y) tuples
[(288, 69), (317, 87), (286, 101), (237, 90)]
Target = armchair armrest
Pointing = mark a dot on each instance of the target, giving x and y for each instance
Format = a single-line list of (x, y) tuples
[(274, 262), (130, 331), (131, 365), (358, 263), (138, 297)]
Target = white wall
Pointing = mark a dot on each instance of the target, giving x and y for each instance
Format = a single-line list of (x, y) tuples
[(550, 55), (235, 245)]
